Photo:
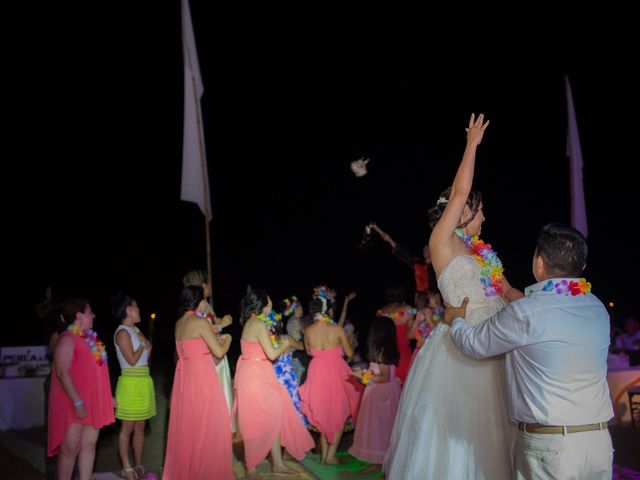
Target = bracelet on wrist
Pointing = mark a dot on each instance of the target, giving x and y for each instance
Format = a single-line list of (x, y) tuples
[(77, 404)]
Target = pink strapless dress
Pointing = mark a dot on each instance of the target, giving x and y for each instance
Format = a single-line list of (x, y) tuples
[(331, 392), (92, 383), (265, 409), (199, 439), (375, 418), (405, 352)]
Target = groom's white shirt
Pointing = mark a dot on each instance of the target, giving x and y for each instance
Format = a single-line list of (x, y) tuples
[(556, 356)]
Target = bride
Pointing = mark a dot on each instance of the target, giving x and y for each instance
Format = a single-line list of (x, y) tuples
[(452, 419)]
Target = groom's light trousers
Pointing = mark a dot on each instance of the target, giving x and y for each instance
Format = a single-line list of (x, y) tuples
[(573, 456)]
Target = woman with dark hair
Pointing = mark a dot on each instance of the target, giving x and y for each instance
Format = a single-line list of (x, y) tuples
[(135, 393), (330, 394), (452, 421), (80, 401), (267, 418), (199, 438), (381, 394), (403, 316)]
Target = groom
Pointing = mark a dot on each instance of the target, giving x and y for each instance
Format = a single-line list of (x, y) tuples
[(556, 341)]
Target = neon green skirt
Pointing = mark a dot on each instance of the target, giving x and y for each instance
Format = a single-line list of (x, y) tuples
[(135, 395)]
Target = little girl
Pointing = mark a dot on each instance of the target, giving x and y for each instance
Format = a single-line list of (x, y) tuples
[(381, 395)]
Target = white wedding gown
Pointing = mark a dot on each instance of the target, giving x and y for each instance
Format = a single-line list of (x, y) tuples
[(452, 419)]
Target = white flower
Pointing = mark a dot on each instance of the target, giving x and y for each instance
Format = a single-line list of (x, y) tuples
[(359, 167)]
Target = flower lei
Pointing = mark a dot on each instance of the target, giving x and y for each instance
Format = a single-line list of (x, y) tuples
[(366, 376), (323, 317), (490, 265), (91, 337), (566, 287), (271, 320), (438, 315), (423, 331), (397, 314)]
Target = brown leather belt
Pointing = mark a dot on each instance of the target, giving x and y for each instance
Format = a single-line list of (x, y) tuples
[(537, 428)]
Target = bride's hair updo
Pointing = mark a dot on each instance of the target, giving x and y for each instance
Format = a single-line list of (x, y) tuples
[(473, 202)]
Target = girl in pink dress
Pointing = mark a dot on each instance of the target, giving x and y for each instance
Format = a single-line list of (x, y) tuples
[(199, 439), (80, 400), (330, 393), (381, 396), (267, 418)]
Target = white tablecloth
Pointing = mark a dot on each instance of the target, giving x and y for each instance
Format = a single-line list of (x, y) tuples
[(21, 403), (619, 379)]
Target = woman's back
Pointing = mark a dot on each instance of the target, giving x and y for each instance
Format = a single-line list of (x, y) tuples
[(323, 336)]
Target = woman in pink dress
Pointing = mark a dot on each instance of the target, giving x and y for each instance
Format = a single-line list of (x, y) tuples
[(199, 439), (80, 400), (330, 393), (381, 397), (267, 418), (403, 316)]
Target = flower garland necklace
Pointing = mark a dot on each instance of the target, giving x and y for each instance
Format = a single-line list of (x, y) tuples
[(323, 317), (271, 320), (565, 287), (91, 337), (490, 265)]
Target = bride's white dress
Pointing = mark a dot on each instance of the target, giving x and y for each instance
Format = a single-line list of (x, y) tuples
[(452, 419)]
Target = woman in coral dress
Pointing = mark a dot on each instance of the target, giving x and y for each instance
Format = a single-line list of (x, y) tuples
[(403, 316), (330, 393), (199, 440), (80, 400), (267, 418)]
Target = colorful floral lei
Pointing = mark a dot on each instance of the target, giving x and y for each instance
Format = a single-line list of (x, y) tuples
[(97, 347), (271, 320), (490, 265), (366, 376), (321, 317), (566, 287)]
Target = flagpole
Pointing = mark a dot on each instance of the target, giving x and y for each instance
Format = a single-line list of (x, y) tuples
[(205, 186)]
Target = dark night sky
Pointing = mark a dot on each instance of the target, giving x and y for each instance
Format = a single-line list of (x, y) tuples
[(284, 116)]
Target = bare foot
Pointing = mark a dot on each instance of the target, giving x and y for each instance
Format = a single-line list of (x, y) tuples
[(332, 461), (282, 470), (252, 475), (370, 468)]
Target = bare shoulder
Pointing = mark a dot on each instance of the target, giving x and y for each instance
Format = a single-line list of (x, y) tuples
[(64, 341)]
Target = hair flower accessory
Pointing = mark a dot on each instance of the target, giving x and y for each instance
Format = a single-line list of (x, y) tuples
[(290, 305), (324, 292)]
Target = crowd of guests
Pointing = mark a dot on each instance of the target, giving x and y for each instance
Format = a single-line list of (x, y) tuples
[(296, 374)]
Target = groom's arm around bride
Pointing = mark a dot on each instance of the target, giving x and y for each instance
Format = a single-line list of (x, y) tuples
[(556, 341)]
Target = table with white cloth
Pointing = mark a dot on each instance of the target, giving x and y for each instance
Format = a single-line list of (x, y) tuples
[(21, 402), (620, 379)]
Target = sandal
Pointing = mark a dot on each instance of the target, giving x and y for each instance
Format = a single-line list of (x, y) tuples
[(140, 471), (128, 474)]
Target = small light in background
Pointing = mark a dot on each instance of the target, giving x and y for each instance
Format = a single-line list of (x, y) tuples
[(611, 304), (153, 316)]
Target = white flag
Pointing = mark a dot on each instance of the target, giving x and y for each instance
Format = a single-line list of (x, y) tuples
[(574, 152), (195, 177)]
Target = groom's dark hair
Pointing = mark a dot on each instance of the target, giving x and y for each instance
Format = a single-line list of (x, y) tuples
[(563, 249)]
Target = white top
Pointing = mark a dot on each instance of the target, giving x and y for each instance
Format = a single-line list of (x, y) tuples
[(556, 356), (135, 343)]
